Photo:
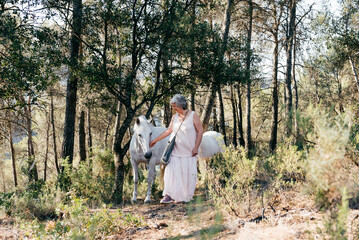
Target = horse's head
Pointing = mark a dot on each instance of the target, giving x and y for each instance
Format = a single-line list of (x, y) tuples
[(143, 132)]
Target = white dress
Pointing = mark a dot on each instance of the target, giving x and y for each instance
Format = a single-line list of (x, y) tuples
[(181, 173)]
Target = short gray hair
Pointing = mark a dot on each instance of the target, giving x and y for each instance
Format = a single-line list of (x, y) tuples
[(180, 101)]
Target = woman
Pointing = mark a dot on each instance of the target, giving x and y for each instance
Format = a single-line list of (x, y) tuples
[(181, 173)]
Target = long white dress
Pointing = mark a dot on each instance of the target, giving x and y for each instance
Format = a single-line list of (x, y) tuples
[(181, 173)]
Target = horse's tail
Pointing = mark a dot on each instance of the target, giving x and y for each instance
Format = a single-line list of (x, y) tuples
[(162, 175)]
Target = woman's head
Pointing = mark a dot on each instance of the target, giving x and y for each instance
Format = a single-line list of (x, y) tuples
[(180, 101)]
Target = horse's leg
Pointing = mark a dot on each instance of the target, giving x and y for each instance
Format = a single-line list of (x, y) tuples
[(135, 180), (150, 180)]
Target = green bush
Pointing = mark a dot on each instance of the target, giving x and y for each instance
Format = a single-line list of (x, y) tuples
[(329, 167), (36, 204), (92, 181), (76, 221), (335, 222), (235, 180)]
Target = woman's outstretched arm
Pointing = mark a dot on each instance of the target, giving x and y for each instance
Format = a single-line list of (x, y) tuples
[(164, 134)]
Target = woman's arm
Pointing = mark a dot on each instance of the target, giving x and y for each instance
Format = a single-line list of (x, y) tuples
[(198, 126), (164, 134)]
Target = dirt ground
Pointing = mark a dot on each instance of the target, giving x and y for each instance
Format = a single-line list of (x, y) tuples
[(201, 220)]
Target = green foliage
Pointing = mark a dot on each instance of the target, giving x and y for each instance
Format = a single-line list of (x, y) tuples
[(32, 204), (93, 182), (235, 180), (329, 168), (286, 165), (5, 202), (335, 223), (27, 54), (77, 221)]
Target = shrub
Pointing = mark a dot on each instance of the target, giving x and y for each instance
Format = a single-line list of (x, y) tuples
[(77, 221), (95, 182), (36, 204), (329, 168), (235, 180)]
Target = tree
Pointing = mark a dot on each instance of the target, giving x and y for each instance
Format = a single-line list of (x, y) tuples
[(273, 13), (72, 81), (249, 145), (292, 6)]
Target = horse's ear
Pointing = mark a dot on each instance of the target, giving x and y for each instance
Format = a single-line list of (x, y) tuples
[(138, 121)]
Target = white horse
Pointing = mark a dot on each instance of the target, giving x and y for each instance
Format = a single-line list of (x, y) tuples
[(140, 152)]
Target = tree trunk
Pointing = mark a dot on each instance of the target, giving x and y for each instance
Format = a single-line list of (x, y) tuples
[(206, 114), (355, 74), (222, 119), (119, 153), (193, 107), (288, 80), (54, 133), (71, 92), (248, 78), (234, 113), (82, 137), (296, 97), (274, 128), (47, 148), (32, 169), (167, 114), (215, 116), (117, 121), (3, 179), (89, 133), (240, 118), (12, 149), (193, 56)]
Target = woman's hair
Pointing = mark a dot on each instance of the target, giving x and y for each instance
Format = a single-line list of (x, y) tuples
[(180, 101)]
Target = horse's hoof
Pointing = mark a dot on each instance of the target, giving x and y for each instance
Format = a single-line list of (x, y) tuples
[(147, 201)]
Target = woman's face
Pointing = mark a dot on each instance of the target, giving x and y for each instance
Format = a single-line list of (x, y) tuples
[(176, 108)]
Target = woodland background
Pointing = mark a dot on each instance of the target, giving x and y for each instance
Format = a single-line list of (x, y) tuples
[(278, 78)]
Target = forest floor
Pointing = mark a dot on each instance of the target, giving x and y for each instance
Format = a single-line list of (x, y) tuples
[(295, 218)]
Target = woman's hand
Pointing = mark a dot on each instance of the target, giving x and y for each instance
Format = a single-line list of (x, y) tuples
[(152, 143), (194, 152)]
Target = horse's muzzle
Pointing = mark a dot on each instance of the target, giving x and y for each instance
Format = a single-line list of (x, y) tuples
[(148, 155)]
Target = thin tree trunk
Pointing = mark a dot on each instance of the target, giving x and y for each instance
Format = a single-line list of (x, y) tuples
[(193, 107), (215, 115), (47, 148), (288, 80), (221, 116), (71, 92), (117, 121), (107, 132), (274, 128), (206, 114), (3, 179), (234, 113), (351, 60), (193, 56), (248, 79), (82, 137), (296, 97), (89, 133), (32, 169), (12, 149), (54, 133), (240, 118), (167, 114)]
